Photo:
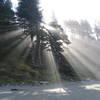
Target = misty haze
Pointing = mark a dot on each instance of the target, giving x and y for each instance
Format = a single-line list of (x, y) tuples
[(49, 50)]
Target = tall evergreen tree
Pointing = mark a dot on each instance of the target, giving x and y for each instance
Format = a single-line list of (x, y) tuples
[(29, 10), (7, 13), (30, 17)]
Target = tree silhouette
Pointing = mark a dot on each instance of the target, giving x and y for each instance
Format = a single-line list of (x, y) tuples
[(29, 13), (29, 10), (30, 16), (7, 13)]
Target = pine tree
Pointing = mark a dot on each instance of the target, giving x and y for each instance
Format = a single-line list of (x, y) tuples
[(29, 10), (7, 13)]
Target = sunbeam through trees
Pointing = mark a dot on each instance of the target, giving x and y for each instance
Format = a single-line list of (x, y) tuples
[(36, 51)]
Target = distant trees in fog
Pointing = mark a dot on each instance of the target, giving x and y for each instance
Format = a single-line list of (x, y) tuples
[(82, 28), (97, 29)]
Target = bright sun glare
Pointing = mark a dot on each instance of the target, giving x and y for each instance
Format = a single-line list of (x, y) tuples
[(15, 4), (71, 9)]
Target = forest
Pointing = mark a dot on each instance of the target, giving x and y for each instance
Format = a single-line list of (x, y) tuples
[(32, 50)]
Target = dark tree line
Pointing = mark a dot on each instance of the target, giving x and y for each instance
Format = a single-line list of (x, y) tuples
[(6, 13)]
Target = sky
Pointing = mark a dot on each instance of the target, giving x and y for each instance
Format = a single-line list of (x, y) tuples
[(15, 4), (70, 9)]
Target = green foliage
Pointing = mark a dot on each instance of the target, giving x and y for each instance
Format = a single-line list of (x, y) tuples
[(27, 68), (6, 79)]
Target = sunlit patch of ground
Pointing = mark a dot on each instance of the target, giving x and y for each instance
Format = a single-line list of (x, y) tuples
[(93, 87), (88, 90), (56, 90)]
